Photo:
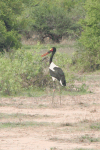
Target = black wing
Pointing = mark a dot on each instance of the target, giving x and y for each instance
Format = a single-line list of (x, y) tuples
[(58, 74)]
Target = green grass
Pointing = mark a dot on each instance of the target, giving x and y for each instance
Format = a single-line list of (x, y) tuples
[(33, 92), (95, 126), (68, 47), (83, 149), (74, 93), (23, 124), (60, 45), (92, 77), (14, 115), (38, 92), (88, 138), (53, 148), (82, 139), (20, 115), (74, 90)]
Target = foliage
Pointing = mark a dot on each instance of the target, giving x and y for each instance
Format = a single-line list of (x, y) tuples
[(24, 69), (17, 70), (53, 19), (48, 21), (47, 18), (88, 55), (9, 37)]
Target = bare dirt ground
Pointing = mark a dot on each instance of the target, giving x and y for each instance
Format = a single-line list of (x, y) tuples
[(29, 123)]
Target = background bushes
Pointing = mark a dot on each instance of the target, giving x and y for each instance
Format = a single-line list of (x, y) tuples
[(88, 53), (9, 32)]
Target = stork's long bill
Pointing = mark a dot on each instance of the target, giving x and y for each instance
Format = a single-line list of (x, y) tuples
[(51, 50)]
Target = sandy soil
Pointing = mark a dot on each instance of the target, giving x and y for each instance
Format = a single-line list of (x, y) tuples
[(39, 125)]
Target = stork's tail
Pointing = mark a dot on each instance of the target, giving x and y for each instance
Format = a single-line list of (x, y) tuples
[(63, 81)]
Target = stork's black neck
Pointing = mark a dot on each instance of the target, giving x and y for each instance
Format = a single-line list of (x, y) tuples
[(51, 57)]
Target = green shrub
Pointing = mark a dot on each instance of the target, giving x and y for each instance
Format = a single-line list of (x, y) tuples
[(17, 70), (9, 78), (88, 54), (53, 19), (23, 69), (9, 31)]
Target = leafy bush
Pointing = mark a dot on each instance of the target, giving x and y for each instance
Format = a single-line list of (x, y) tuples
[(9, 78), (9, 36), (53, 19), (17, 70), (88, 55), (23, 69)]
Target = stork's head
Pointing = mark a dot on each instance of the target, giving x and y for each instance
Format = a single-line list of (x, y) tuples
[(53, 50)]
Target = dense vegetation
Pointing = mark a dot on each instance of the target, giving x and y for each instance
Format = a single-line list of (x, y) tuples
[(47, 18), (88, 55), (74, 19), (24, 70), (9, 35)]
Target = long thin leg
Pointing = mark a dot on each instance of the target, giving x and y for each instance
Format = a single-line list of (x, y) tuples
[(54, 86), (53, 96), (60, 92)]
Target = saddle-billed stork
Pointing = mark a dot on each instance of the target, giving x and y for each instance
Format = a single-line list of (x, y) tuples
[(56, 72)]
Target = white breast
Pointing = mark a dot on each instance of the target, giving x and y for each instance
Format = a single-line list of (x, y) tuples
[(52, 66)]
